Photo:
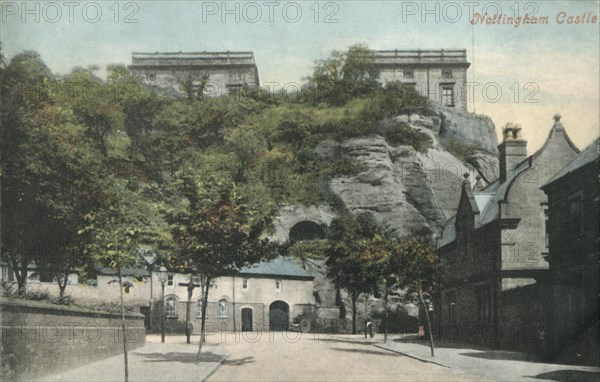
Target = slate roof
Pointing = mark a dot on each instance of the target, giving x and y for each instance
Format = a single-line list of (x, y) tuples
[(280, 266), (590, 154), (487, 199)]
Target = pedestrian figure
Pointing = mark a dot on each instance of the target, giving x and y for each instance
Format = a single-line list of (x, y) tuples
[(369, 327)]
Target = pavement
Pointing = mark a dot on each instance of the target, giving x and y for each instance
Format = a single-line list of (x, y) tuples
[(493, 365), (172, 361)]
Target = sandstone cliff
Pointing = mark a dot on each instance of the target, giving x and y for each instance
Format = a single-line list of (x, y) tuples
[(406, 191)]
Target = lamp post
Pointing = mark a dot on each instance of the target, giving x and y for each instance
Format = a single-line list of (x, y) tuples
[(162, 277)]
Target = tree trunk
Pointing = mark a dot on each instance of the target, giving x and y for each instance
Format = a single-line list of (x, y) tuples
[(428, 322), (354, 298), (21, 276), (123, 326), (202, 326), (385, 317), (188, 332)]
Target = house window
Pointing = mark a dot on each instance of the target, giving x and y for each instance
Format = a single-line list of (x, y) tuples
[(409, 75), (446, 74), (575, 223), (278, 285), (169, 280), (245, 283), (223, 308), (448, 96), (199, 308), (171, 307)]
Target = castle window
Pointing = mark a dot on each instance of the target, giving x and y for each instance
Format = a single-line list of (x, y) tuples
[(171, 307), (409, 74), (448, 96), (151, 77), (223, 308), (278, 285), (245, 283), (446, 74), (170, 280)]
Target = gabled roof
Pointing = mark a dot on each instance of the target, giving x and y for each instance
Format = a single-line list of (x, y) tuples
[(590, 154), (487, 199), (278, 267)]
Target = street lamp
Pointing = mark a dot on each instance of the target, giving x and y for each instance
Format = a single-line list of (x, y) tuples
[(162, 277)]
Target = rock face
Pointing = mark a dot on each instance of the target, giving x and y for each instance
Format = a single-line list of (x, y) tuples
[(407, 192), (467, 128), (410, 192)]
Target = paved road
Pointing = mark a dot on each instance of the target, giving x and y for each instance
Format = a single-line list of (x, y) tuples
[(310, 358)]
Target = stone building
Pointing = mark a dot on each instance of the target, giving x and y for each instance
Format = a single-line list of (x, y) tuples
[(495, 276), (226, 72), (573, 198), (439, 75), (264, 296)]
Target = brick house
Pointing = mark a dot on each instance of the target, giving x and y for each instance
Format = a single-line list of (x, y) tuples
[(495, 276), (573, 198)]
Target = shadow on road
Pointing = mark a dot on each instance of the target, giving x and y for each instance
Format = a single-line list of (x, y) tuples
[(339, 340), (569, 376), (363, 351), (181, 357), (502, 355), (239, 361)]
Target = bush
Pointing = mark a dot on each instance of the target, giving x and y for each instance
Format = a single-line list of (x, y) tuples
[(402, 134), (459, 150)]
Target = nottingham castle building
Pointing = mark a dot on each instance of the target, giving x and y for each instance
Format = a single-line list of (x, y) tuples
[(222, 72), (439, 75)]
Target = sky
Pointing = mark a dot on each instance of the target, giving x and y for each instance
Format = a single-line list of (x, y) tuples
[(521, 73)]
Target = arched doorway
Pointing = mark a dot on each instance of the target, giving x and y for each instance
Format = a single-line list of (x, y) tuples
[(306, 230), (279, 316), (246, 320)]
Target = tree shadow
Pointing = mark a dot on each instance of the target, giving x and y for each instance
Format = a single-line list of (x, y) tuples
[(502, 355), (182, 357), (337, 340), (570, 376), (238, 362), (364, 351)]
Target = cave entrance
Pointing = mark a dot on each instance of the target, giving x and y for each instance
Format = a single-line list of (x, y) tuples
[(305, 231)]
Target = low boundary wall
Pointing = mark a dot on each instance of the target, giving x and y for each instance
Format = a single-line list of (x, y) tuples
[(41, 338)]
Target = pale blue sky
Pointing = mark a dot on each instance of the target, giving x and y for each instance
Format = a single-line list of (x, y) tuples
[(562, 60)]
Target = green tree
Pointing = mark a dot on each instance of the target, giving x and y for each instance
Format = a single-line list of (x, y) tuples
[(352, 255), (25, 83), (218, 231), (413, 264), (116, 230), (343, 75)]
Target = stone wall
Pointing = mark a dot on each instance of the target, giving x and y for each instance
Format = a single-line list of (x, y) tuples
[(39, 338)]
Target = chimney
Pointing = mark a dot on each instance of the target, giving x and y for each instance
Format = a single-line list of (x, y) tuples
[(512, 150)]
